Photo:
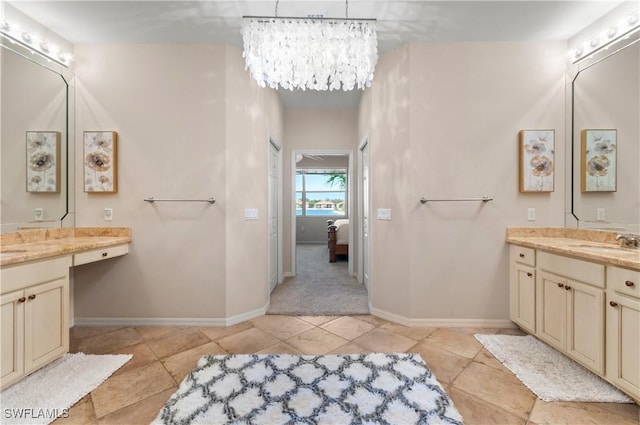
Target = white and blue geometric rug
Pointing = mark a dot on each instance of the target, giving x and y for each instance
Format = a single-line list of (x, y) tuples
[(289, 389)]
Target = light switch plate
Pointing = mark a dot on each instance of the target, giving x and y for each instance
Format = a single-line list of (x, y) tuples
[(38, 214), (531, 214), (600, 215), (250, 214), (108, 214)]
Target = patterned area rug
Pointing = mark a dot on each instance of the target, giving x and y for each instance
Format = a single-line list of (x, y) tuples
[(332, 389), (549, 374)]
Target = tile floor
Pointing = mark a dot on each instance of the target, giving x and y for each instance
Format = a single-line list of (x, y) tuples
[(482, 389)]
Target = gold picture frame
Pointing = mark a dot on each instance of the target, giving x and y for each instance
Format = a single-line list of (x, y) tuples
[(43, 161), (537, 160), (598, 168), (100, 162)]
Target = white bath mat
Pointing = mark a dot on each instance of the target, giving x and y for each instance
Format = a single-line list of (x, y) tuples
[(549, 374), (49, 392)]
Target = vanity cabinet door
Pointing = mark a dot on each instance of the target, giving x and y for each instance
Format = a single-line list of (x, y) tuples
[(552, 309), (623, 343), (523, 296), (12, 337), (46, 323), (585, 325)]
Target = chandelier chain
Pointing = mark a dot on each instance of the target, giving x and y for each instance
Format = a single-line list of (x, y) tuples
[(346, 9), (276, 11)]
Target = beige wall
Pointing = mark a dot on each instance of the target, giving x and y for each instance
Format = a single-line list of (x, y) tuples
[(315, 130), (190, 124), (444, 123)]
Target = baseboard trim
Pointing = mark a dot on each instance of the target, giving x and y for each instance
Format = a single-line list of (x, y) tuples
[(441, 323), (171, 321)]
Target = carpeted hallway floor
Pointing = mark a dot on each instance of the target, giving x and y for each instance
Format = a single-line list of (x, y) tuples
[(320, 288)]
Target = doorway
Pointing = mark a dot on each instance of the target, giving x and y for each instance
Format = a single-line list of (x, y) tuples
[(275, 215)]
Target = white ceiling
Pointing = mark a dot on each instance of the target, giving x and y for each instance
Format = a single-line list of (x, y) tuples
[(91, 21)]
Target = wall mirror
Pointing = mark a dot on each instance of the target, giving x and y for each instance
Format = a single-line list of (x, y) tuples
[(605, 134), (36, 146)]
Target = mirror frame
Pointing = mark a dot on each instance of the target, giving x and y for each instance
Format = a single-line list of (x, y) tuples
[(68, 78), (574, 70)]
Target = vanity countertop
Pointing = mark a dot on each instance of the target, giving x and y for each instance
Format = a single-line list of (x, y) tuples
[(591, 245), (37, 244)]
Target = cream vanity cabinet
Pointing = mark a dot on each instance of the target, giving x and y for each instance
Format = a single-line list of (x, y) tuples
[(522, 293), (570, 307), (34, 317), (623, 329)]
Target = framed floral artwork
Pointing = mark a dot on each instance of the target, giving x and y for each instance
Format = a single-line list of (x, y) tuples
[(598, 165), (100, 162), (43, 161), (537, 160)]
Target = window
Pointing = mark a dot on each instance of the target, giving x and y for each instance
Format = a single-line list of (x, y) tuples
[(321, 192)]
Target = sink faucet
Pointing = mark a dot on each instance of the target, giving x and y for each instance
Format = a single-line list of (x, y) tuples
[(629, 241)]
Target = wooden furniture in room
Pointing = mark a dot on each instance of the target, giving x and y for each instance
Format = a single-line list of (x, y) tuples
[(338, 234)]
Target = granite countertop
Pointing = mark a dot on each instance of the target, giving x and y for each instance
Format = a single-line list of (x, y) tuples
[(37, 244), (577, 243)]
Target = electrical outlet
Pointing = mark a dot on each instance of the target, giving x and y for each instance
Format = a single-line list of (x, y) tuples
[(108, 214), (600, 216), (38, 214), (531, 214), (250, 214)]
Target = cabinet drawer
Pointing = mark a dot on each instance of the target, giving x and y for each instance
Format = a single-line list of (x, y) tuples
[(572, 268), (100, 254), (624, 281), (523, 255)]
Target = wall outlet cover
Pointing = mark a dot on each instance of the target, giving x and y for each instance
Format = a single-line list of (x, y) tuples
[(108, 214)]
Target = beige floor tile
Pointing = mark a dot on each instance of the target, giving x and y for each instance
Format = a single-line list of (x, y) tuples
[(415, 333), (282, 327), (80, 413), (445, 366), (456, 342), (316, 341), (181, 363), (140, 413), (475, 330), (384, 341), (502, 389), (475, 411), (81, 332), (350, 348), (280, 348), (511, 331), (317, 320), (563, 413), (369, 318), (110, 341), (488, 359), (248, 341), (218, 332), (153, 332), (125, 389), (142, 355), (348, 327), (177, 341)]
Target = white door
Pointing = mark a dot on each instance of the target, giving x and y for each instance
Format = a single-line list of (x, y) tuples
[(274, 180), (364, 156)]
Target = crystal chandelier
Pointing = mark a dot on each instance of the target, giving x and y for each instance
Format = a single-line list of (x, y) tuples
[(310, 53)]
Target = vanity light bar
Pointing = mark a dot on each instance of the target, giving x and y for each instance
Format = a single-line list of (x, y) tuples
[(623, 29), (35, 44)]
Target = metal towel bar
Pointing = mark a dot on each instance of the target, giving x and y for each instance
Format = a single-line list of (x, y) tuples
[(483, 199), (151, 200)]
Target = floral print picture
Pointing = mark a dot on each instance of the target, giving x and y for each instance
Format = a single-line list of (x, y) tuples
[(43, 167), (599, 150), (537, 160), (100, 172)]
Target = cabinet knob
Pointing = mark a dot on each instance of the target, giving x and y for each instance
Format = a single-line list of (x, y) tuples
[(629, 284), (104, 254), (32, 297), (560, 285), (568, 288), (529, 274), (21, 299), (521, 255), (613, 304)]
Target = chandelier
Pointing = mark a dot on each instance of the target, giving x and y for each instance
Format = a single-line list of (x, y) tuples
[(312, 53)]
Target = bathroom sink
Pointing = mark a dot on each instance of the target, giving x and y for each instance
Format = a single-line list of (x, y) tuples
[(606, 250)]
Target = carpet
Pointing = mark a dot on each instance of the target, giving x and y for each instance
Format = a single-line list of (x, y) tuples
[(49, 392), (332, 389), (319, 288), (549, 374)]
